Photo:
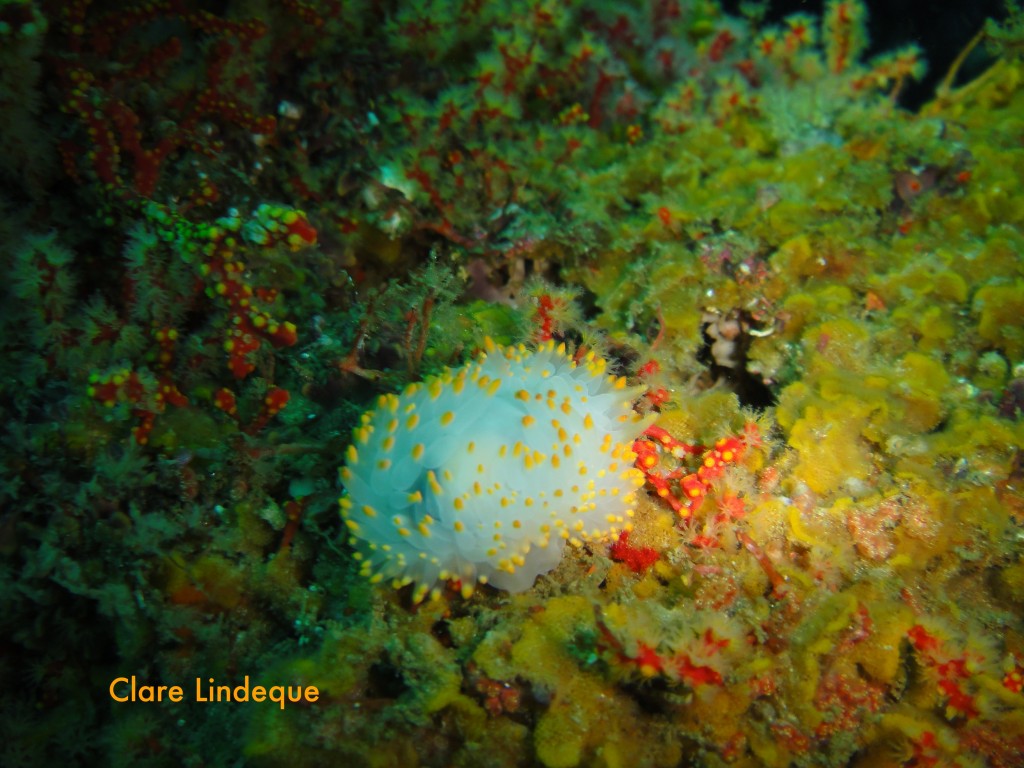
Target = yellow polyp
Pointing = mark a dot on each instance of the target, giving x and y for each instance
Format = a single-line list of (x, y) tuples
[(523, 395), (369, 511), (417, 451), (458, 504), (446, 418), (459, 526), (528, 420), (415, 497), (351, 455)]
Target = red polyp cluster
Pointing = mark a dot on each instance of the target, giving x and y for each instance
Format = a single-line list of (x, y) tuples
[(553, 313), (116, 387), (306, 11), (650, 373), (273, 403), (952, 667), (146, 398), (637, 559), (727, 450), (300, 232), (226, 281), (160, 96), (1014, 679), (692, 486), (224, 399), (680, 665), (248, 322), (545, 321), (110, 100), (246, 32), (240, 345)]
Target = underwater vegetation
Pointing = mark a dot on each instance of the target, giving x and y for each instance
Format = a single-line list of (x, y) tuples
[(315, 312)]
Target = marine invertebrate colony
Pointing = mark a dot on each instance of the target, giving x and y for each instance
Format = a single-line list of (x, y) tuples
[(483, 473)]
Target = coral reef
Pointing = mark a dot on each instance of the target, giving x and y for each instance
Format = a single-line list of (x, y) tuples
[(230, 228)]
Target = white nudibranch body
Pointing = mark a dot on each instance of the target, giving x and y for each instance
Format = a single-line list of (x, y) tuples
[(482, 473)]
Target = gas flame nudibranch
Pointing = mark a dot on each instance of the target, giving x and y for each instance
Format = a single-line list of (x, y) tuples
[(481, 474)]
